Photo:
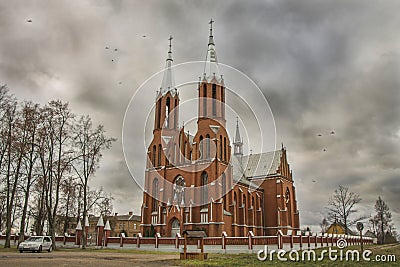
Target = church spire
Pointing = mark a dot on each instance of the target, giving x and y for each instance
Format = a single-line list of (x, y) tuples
[(211, 64), (238, 143), (168, 82)]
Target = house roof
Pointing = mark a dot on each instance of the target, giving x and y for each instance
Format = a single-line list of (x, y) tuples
[(341, 225)]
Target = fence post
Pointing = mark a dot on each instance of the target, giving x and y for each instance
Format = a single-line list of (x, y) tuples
[(250, 237), (87, 229), (177, 236), (121, 240), (107, 232), (223, 241), (280, 239), (315, 240), (139, 235), (100, 232), (78, 233), (301, 239), (290, 233), (157, 237)]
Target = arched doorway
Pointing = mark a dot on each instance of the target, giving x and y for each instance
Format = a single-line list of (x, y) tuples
[(175, 227)]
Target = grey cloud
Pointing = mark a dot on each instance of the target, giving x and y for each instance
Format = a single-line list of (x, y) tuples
[(322, 65)]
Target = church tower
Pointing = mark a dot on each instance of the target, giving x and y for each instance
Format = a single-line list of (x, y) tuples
[(166, 113), (238, 142)]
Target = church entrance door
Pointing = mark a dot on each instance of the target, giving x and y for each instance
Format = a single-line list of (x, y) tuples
[(175, 227)]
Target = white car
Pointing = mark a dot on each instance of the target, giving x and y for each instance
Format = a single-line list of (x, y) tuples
[(36, 244)]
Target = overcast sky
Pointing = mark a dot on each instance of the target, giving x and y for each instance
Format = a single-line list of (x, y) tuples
[(322, 65)]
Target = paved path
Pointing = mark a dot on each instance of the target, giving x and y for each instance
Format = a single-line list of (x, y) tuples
[(83, 259)]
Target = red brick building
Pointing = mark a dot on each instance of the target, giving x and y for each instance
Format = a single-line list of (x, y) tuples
[(196, 182)]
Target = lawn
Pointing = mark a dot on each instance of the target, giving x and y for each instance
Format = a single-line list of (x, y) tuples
[(251, 259)]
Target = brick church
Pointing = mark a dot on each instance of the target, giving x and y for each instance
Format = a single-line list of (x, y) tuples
[(199, 181)]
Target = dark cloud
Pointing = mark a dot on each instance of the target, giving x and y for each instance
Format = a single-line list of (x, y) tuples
[(322, 65)]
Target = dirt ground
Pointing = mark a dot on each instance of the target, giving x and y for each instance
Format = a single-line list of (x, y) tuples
[(85, 259)]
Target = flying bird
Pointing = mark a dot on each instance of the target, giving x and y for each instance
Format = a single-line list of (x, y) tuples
[(29, 20), (107, 47), (112, 60), (120, 82), (313, 181), (319, 134), (144, 36), (332, 132), (324, 149), (115, 49)]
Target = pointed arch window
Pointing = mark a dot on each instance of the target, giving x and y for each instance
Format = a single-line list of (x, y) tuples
[(214, 102), (201, 147), (159, 155), (184, 152), (220, 147), (153, 161), (176, 114), (158, 118), (222, 101), (179, 190), (155, 194), (204, 100), (207, 146), (225, 159), (204, 188), (224, 190), (167, 110)]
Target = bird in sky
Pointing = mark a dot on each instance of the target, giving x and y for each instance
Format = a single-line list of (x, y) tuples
[(115, 49), (313, 181), (144, 36), (319, 134), (107, 47), (324, 149), (29, 20), (332, 132)]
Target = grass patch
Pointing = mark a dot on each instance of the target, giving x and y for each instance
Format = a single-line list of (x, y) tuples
[(101, 250), (12, 249), (116, 250), (251, 259)]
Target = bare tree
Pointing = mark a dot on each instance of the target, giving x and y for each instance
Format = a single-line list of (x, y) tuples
[(55, 156), (324, 225), (89, 143), (11, 185), (382, 219), (30, 113), (342, 205)]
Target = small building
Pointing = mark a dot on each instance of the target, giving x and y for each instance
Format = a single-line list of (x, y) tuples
[(339, 228), (125, 223)]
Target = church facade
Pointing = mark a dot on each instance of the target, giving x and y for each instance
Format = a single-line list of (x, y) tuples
[(203, 181)]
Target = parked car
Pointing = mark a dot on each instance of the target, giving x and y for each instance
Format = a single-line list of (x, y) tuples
[(36, 244)]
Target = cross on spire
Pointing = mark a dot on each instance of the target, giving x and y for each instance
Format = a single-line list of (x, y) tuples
[(170, 43), (211, 24)]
